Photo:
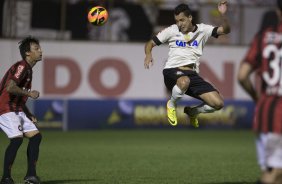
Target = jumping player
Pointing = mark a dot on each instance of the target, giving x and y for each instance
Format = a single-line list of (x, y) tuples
[(186, 42)]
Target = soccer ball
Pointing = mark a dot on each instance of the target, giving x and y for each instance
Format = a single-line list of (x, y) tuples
[(98, 16)]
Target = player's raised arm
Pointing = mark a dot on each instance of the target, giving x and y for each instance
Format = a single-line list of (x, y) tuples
[(148, 52), (225, 27)]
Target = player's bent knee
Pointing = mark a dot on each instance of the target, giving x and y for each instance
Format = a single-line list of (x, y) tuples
[(183, 83), (219, 105), (31, 134), (37, 138)]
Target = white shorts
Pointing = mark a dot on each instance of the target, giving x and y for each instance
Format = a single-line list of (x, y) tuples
[(16, 124), (269, 150)]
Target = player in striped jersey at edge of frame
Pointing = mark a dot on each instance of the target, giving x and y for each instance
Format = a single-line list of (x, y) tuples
[(264, 59)]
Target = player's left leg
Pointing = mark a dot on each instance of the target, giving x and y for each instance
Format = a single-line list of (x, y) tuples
[(33, 151), (212, 102), (34, 136), (202, 90)]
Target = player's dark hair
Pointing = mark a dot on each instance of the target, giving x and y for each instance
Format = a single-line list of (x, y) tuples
[(24, 45), (182, 8), (269, 19), (279, 4)]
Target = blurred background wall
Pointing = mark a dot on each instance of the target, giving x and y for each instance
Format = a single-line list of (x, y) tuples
[(93, 77), (130, 20)]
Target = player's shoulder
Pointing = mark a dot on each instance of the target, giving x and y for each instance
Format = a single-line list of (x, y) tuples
[(205, 28), (202, 26), (14, 65), (20, 65), (21, 62), (172, 28)]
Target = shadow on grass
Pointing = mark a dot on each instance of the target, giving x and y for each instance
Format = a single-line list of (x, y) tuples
[(69, 181)]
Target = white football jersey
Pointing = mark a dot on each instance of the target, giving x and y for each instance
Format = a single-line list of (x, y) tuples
[(184, 49)]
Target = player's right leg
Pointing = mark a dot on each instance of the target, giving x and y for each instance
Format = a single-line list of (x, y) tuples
[(10, 123), (177, 82), (177, 93), (7, 181)]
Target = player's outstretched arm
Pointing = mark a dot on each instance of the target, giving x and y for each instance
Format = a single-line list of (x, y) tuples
[(148, 52), (225, 26)]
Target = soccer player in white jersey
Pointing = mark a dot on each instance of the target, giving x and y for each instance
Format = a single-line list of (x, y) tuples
[(186, 41)]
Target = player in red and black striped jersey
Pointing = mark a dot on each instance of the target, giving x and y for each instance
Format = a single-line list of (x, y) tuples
[(15, 118), (21, 74), (265, 59)]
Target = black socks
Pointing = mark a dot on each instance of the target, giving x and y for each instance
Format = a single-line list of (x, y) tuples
[(32, 154), (10, 155)]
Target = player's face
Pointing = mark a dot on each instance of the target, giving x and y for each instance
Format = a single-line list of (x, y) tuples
[(35, 52), (184, 23)]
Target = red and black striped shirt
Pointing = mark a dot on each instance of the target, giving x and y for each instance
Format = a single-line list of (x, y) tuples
[(265, 55), (21, 73)]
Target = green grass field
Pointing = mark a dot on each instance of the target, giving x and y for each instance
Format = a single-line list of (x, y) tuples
[(143, 157)]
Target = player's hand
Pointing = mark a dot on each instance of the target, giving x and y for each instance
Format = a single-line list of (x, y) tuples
[(33, 94), (33, 119), (222, 7), (148, 62)]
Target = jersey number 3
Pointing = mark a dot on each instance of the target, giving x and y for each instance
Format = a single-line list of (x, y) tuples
[(275, 76)]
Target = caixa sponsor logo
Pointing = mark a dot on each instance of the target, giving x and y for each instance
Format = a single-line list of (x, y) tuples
[(184, 44)]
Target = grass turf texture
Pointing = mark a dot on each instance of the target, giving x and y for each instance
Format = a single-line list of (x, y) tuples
[(142, 156)]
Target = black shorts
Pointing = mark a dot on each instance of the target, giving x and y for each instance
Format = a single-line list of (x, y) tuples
[(197, 84)]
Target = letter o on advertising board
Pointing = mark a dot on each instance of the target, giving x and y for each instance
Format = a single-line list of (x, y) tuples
[(95, 74)]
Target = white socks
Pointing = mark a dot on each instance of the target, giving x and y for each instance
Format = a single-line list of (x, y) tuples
[(202, 108), (176, 95)]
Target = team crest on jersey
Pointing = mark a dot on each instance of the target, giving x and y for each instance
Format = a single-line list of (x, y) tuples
[(187, 37)]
